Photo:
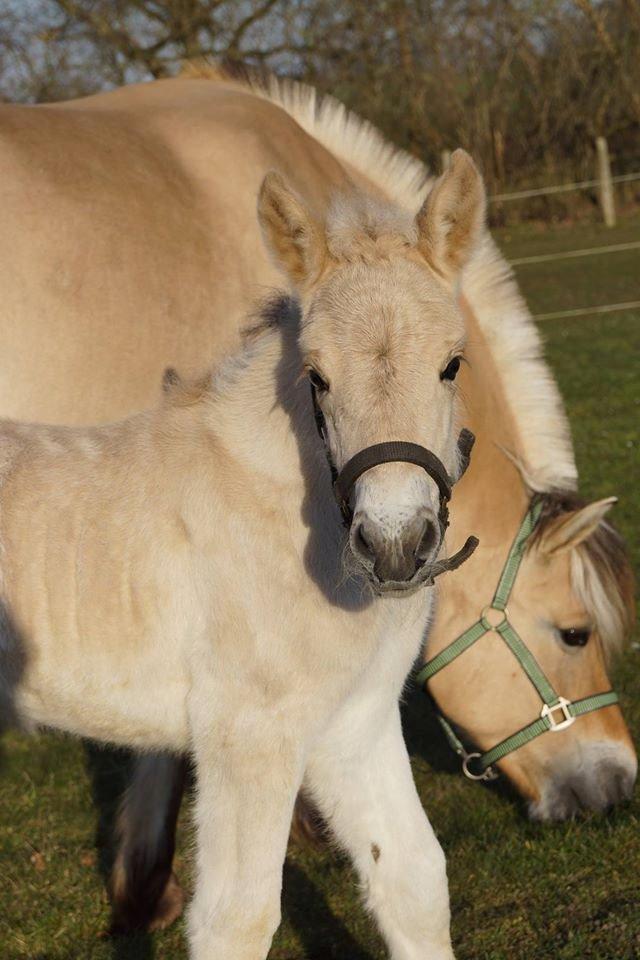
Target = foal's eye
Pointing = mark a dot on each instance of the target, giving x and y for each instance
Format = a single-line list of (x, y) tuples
[(318, 381), (451, 369), (575, 636)]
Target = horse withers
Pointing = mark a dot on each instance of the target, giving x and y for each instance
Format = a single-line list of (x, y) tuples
[(177, 580)]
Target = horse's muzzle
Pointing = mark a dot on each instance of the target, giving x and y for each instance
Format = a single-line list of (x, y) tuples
[(394, 558), (401, 564), (579, 787)]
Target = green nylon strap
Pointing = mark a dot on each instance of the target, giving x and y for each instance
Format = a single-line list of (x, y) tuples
[(458, 646), (511, 567), (482, 626), (527, 661), (594, 702), (532, 730)]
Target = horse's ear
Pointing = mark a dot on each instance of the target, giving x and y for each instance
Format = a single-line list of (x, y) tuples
[(293, 237), (450, 220), (574, 528)]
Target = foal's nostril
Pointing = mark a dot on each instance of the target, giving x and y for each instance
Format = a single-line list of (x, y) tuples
[(362, 541), (428, 541)]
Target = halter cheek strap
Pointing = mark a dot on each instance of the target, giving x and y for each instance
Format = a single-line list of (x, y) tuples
[(557, 712)]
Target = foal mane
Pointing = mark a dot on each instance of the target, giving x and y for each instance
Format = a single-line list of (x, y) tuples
[(601, 572), (274, 311)]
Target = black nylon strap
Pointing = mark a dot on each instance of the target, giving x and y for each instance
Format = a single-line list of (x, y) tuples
[(390, 452)]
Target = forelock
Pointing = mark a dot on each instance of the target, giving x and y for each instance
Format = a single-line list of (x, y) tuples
[(601, 573), (361, 227)]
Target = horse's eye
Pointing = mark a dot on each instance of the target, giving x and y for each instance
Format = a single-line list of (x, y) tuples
[(451, 369), (318, 381), (575, 636)]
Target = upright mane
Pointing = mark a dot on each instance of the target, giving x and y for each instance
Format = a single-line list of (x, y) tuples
[(488, 284)]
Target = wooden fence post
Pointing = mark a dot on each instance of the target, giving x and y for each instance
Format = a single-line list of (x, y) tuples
[(606, 186)]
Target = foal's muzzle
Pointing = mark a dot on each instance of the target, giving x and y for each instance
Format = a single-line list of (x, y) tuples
[(404, 566), (395, 560)]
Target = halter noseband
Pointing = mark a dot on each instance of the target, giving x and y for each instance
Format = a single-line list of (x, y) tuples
[(557, 712), (400, 451)]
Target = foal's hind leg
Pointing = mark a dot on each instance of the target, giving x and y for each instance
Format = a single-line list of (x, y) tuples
[(361, 780), (145, 893)]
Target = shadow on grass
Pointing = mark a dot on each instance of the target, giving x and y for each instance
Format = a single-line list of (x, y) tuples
[(323, 935), (424, 738), (109, 773)]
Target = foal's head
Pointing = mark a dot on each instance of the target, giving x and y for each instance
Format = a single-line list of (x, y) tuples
[(381, 340)]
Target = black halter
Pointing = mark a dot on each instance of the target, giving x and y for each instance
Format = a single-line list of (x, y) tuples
[(404, 452)]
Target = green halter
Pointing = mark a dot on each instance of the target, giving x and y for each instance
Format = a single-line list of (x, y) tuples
[(557, 713)]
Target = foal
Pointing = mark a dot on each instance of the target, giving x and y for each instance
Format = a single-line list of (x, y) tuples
[(176, 580)]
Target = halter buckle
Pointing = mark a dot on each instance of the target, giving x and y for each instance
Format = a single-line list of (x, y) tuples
[(548, 711), (487, 775)]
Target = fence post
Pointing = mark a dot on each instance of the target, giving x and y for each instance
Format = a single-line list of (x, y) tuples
[(606, 186), (445, 159)]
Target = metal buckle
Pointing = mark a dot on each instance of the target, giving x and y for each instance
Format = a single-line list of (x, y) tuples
[(500, 616), (548, 710), (488, 774)]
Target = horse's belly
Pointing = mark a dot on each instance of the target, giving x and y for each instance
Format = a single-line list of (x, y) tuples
[(141, 705)]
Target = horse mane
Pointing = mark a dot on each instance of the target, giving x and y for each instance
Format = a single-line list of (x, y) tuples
[(601, 573)]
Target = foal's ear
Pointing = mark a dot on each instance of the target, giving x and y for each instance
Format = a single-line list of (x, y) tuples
[(575, 527), (450, 220), (290, 232)]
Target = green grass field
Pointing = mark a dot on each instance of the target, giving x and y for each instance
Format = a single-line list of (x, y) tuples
[(519, 890)]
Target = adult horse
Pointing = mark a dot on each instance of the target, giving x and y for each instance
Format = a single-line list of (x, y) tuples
[(130, 244)]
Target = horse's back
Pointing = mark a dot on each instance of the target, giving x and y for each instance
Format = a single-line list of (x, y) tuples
[(128, 231)]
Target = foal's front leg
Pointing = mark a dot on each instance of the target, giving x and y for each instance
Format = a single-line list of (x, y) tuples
[(361, 780), (249, 770)]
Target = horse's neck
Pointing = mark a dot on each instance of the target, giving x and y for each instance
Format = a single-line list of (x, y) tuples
[(262, 418), (491, 498)]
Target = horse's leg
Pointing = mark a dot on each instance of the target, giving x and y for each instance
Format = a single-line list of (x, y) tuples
[(361, 780), (145, 893), (247, 773)]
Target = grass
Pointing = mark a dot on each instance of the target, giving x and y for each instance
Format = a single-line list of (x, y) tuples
[(519, 891)]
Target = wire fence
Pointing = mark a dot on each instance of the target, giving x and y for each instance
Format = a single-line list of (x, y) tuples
[(562, 188), (570, 254), (604, 183), (584, 311)]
